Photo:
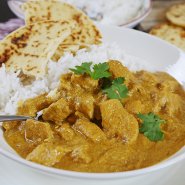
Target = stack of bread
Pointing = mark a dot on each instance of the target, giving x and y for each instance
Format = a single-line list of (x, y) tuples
[(173, 30)]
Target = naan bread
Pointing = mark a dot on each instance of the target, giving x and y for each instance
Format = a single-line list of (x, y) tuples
[(72, 48), (176, 14), (29, 48), (84, 33), (171, 33)]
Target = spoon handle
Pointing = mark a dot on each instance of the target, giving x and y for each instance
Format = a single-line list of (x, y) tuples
[(13, 118)]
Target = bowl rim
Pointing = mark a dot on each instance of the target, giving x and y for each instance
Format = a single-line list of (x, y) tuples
[(93, 176), (138, 18)]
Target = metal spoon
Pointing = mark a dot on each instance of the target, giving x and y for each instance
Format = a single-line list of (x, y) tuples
[(14, 118)]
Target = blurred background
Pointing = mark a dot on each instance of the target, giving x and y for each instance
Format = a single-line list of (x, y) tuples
[(156, 15), (143, 15), (5, 12)]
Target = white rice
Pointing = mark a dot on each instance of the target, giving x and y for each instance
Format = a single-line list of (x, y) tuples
[(12, 91)]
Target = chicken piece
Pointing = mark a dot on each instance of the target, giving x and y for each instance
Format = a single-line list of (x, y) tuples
[(99, 97), (74, 89), (168, 83), (48, 154), (168, 102), (57, 111), (90, 130), (118, 70), (118, 156), (117, 122), (134, 106), (174, 104), (10, 125), (37, 132), (84, 103), (33, 105), (81, 154), (85, 82), (65, 82), (74, 117), (146, 79), (65, 131)]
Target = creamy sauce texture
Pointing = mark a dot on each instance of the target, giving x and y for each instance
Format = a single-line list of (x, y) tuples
[(82, 130)]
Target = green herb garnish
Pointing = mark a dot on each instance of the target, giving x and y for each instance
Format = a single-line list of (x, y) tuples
[(99, 70), (151, 126), (117, 90), (84, 68)]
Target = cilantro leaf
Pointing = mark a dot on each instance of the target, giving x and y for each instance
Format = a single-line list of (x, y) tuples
[(117, 90), (151, 126), (84, 68), (100, 71), (119, 80)]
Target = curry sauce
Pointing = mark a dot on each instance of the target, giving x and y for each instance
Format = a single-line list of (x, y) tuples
[(81, 129)]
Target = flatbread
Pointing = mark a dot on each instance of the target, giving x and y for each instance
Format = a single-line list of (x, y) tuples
[(171, 33), (29, 48), (176, 14), (85, 33)]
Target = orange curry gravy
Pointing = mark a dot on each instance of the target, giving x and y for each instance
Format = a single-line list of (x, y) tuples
[(82, 130)]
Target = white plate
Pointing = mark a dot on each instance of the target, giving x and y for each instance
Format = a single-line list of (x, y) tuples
[(145, 10), (156, 52)]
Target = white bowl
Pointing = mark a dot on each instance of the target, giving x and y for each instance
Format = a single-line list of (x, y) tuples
[(144, 11), (156, 52)]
